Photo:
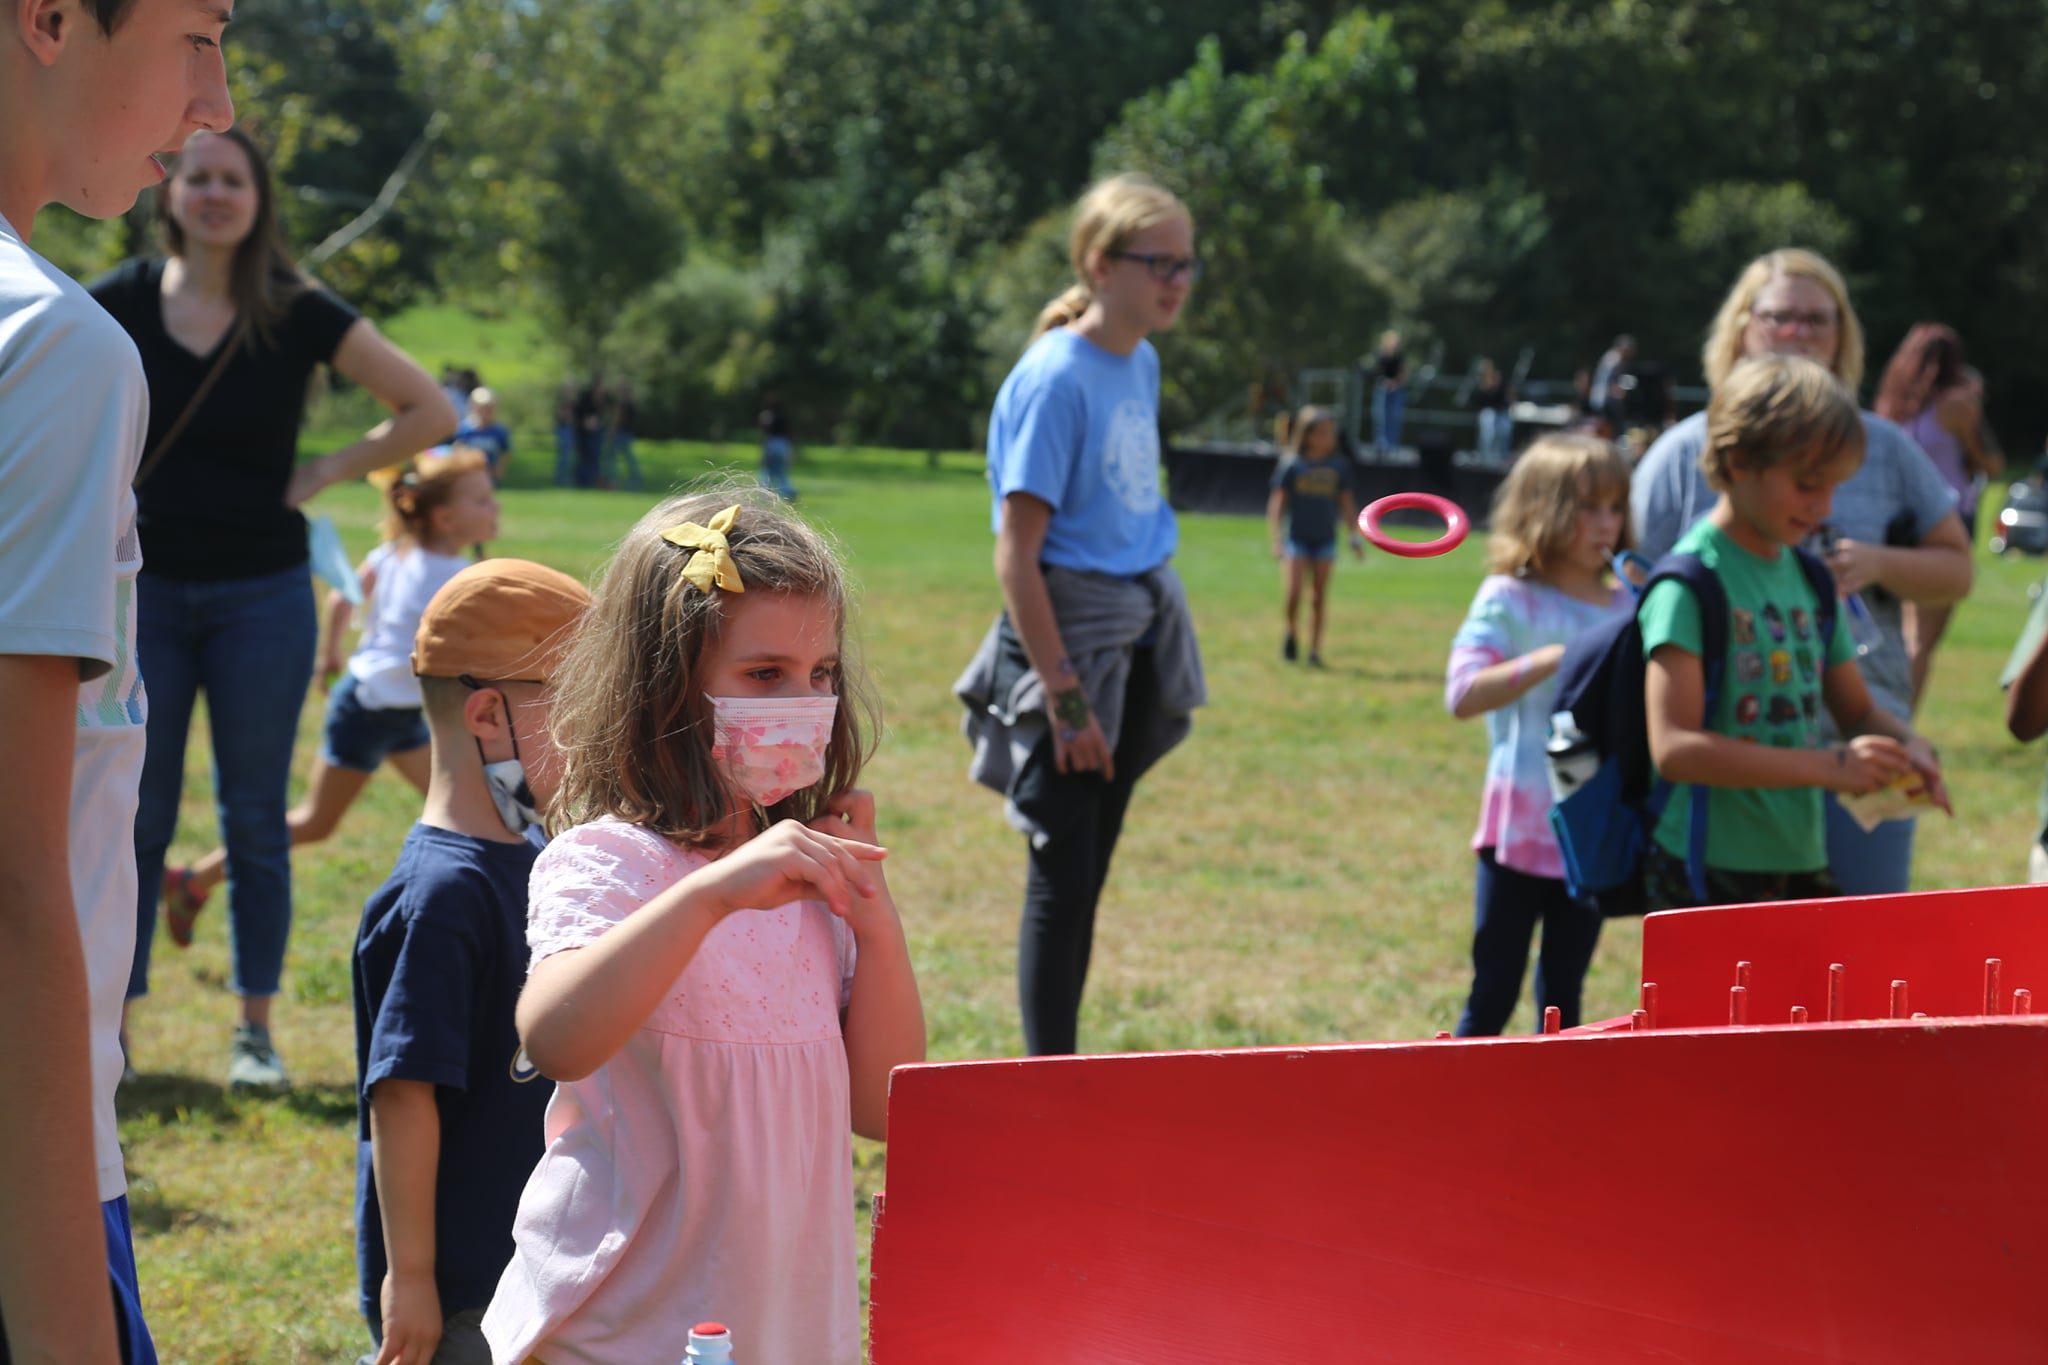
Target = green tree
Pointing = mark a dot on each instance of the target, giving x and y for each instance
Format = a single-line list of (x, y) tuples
[(1242, 150), (1725, 226)]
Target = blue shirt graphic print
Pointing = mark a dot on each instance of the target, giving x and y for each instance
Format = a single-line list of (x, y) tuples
[(1077, 427)]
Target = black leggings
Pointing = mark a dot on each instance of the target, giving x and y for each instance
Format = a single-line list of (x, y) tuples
[(1082, 815)]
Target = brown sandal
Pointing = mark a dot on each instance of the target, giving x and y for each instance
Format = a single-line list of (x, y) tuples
[(181, 905)]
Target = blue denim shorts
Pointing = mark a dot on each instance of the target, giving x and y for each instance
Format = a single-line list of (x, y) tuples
[(362, 737), (1323, 553)]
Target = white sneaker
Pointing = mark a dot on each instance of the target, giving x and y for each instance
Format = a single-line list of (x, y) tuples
[(253, 1064)]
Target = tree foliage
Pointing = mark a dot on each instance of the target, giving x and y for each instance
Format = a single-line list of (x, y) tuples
[(860, 202)]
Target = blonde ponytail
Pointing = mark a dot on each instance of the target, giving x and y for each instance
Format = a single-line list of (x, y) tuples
[(1108, 216), (1065, 309)]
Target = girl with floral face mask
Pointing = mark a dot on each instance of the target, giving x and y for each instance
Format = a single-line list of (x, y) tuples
[(719, 978)]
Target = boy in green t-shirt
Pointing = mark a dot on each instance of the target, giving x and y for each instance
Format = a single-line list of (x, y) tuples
[(1781, 434)]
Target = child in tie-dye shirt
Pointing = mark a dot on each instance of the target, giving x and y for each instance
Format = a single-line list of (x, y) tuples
[(1557, 521)]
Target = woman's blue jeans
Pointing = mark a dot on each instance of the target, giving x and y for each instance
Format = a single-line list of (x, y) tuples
[(775, 456), (1496, 432), (1876, 862), (1388, 408), (248, 644), (619, 457), (565, 456)]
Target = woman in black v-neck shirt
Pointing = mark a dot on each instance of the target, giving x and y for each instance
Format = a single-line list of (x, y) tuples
[(224, 601)]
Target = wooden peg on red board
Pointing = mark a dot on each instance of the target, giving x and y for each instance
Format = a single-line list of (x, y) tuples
[(1738, 1005), (1638, 1020), (1553, 1019), (1799, 1014), (2023, 1001), (1898, 999), (1991, 1002), (1650, 1004), (1837, 979)]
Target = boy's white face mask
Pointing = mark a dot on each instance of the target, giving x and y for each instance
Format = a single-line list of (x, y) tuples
[(509, 793), (506, 778), (772, 746)]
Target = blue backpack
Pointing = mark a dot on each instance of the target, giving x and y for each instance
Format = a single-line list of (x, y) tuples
[(1604, 823)]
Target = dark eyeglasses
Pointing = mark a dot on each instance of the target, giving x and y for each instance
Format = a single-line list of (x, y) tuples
[(1165, 269), (1793, 317)]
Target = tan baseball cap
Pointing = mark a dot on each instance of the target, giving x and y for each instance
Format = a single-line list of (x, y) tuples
[(498, 621)]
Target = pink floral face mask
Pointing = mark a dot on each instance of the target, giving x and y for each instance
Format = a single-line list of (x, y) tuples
[(772, 746)]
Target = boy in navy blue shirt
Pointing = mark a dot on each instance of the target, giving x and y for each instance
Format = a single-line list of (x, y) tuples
[(450, 1114)]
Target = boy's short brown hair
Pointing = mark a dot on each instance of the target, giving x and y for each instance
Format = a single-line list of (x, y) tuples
[(108, 14), (1773, 409)]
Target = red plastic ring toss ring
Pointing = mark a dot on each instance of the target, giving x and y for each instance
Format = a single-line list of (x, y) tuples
[(1456, 524)]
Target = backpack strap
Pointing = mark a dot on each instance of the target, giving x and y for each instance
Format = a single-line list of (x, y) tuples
[(1712, 598), (1827, 605)]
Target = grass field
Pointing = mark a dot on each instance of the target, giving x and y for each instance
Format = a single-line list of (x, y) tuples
[(1296, 873)]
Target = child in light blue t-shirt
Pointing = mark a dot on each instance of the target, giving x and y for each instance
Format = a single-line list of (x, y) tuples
[(1094, 637), (1077, 427)]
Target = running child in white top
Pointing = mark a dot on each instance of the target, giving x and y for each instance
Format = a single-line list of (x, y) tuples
[(719, 979), (444, 502)]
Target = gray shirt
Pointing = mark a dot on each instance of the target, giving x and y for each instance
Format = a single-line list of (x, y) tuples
[(1102, 618), (1896, 498)]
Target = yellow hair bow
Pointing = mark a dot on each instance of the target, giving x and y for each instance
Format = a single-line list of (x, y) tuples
[(712, 564)]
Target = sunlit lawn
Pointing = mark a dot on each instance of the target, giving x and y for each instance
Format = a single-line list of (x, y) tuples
[(1297, 872)]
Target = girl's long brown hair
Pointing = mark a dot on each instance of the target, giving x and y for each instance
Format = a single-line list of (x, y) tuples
[(1928, 363), (264, 278), (630, 716)]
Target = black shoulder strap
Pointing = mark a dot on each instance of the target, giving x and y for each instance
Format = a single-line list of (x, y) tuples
[(1706, 588), (1826, 604)]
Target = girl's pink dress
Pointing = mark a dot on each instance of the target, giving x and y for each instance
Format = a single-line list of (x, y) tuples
[(706, 1170)]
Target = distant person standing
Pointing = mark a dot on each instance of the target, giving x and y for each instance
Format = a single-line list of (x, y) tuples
[(1091, 674), (230, 333), (619, 456), (454, 389), (1389, 393), (1491, 398), (776, 449), (481, 430), (1605, 398), (1313, 493), (565, 436), (589, 418), (1930, 390)]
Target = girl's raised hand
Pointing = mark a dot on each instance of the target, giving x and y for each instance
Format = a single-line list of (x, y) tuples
[(849, 815), (792, 861)]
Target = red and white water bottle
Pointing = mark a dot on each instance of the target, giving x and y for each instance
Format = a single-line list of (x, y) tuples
[(710, 1344)]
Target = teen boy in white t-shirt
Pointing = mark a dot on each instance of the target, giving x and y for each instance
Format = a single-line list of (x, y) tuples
[(90, 90)]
